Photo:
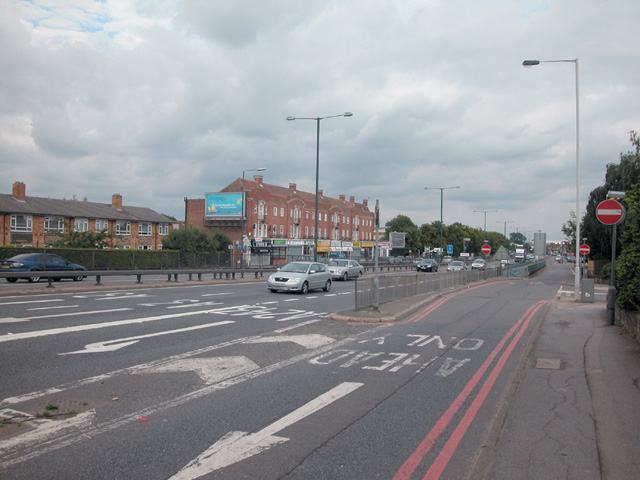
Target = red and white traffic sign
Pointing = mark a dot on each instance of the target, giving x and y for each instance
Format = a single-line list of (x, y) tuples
[(584, 249), (610, 212), (486, 249)]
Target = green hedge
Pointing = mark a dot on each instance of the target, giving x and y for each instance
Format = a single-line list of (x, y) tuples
[(129, 259)]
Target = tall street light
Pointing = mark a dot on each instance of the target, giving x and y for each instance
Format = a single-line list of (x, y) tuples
[(505, 225), (260, 169), (484, 230), (531, 63), (442, 189), (317, 119)]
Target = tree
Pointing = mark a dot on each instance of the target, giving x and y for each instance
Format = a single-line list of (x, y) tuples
[(101, 239), (623, 177), (195, 240), (569, 229), (628, 263)]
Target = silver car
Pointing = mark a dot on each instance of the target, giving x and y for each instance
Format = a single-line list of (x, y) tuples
[(456, 265), (300, 277), (345, 269)]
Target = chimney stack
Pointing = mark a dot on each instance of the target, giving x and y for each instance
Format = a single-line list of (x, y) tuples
[(116, 201), (292, 186), (258, 179), (20, 191)]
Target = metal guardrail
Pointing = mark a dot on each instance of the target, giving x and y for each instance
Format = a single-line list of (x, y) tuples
[(397, 285), (227, 273)]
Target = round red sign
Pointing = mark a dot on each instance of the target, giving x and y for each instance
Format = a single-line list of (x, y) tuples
[(584, 249), (610, 212), (486, 249)]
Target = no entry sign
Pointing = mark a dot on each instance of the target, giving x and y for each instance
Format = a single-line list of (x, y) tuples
[(610, 212), (486, 249), (585, 249)]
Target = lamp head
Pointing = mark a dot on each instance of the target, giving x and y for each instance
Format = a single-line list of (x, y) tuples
[(291, 118), (347, 114), (530, 63)]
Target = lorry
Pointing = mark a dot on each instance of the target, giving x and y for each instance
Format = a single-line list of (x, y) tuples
[(521, 255)]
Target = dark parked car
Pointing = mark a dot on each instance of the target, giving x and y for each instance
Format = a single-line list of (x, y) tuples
[(35, 263), (427, 265)]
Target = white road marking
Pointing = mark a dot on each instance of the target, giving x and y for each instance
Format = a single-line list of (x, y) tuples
[(33, 301), (237, 446), (52, 308), (297, 325), (117, 344), (210, 370), (307, 341), (95, 326), (28, 319), (216, 294)]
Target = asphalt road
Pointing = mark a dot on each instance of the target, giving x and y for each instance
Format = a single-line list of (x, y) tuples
[(228, 380)]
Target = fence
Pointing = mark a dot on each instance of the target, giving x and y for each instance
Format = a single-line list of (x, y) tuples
[(401, 285)]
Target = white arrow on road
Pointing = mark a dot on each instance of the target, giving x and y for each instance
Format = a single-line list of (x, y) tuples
[(118, 343), (236, 446), (210, 370), (307, 341)]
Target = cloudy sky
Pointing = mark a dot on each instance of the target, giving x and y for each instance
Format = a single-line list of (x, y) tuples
[(159, 100)]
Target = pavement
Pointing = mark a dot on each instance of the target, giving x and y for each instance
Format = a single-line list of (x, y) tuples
[(572, 410)]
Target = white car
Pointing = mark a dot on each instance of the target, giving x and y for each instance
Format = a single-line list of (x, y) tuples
[(345, 269), (300, 277), (478, 264)]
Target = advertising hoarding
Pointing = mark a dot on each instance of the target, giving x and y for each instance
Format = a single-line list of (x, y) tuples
[(223, 205)]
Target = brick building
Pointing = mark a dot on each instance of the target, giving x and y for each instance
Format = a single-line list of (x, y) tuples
[(38, 222), (280, 221)]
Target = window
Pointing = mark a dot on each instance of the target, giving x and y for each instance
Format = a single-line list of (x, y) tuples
[(306, 232), (144, 229), (21, 223), (281, 230), (163, 229), (102, 225), (81, 225), (282, 211), (53, 224), (123, 227), (275, 211)]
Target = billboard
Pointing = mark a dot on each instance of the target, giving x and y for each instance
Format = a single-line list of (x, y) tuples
[(223, 205), (396, 239)]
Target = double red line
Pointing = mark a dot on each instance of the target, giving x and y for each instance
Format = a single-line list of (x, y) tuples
[(436, 469)]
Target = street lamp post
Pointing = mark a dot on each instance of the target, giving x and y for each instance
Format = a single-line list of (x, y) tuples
[(260, 169), (484, 230), (317, 119), (505, 225), (442, 189), (531, 63)]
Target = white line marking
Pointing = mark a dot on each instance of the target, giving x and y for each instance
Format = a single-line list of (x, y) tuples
[(52, 308), (28, 319), (33, 301), (236, 446), (307, 341), (210, 370), (95, 326), (297, 325)]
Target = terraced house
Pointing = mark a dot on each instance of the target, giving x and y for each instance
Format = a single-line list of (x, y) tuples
[(38, 222)]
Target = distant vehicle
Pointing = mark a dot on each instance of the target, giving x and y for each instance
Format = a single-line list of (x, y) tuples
[(427, 265), (345, 269), (300, 277), (478, 264), (37, 263), (447, 259), (521, 255), (456, 265)]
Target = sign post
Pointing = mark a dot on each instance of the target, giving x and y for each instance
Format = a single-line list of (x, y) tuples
[(611, 212)]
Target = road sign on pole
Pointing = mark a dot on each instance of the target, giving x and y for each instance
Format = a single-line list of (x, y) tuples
[(585, 249), (610, 212), (486, 249)]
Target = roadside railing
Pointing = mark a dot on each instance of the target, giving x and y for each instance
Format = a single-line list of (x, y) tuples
[(191, 274), (395, 286)]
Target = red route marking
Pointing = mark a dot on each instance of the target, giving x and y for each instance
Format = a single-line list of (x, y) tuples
[(412, 463)]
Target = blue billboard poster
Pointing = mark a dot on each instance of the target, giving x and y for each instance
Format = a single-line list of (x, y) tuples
[(223, 205)]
